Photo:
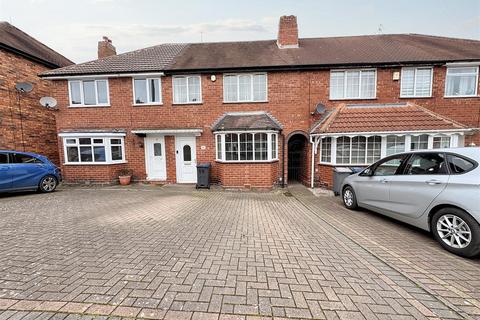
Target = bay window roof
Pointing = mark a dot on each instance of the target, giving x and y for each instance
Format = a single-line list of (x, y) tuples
[(246, 121), (408, 117)]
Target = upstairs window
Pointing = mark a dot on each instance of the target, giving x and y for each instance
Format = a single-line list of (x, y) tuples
[(416, 82), (147, 91), (245, 87), (353, 84), (461, 82), (187, 89), (88, 93)]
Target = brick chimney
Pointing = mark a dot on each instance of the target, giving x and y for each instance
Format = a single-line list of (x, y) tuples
[(287, 32), (106, 48)]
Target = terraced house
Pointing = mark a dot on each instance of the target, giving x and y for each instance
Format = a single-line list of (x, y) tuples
[(265, 113)]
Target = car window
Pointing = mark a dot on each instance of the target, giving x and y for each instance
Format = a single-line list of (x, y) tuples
[(3, 158), (458, 164), (24, 158), (426, 163), (390, 166)]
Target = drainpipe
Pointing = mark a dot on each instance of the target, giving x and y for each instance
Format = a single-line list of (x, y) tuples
[(312, 173), (283, 160)]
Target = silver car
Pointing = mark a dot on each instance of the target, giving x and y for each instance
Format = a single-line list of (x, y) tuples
[(436, 190)]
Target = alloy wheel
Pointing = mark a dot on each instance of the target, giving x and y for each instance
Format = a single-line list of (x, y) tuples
[(454, 231), (49, 184), (348, 197)]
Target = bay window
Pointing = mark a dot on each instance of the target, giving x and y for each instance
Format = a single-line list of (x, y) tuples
[(353, 84), (88, 93), (94, 150), (395, 144), (245, 87), (187, 89), (461, 81), (419, 142), (441, 142), (246, 146), (147, 91), (416, 82), (326, 150)]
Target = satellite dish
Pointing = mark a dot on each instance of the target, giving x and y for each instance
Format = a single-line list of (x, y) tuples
[(24, 86), (48, 102), (320, 108)]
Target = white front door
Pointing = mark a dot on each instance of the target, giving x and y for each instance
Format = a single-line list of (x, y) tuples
[(155, 158), (185, 150)]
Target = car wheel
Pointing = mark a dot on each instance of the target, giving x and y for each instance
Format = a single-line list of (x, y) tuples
[(48, 184), (349, 198), (456, 231)]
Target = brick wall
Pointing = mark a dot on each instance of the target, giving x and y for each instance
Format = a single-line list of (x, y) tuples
[(38, 124), (292, 97)]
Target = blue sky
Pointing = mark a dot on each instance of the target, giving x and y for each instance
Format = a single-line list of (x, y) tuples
[(73, 27)]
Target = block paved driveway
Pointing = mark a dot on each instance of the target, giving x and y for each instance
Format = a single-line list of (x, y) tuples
[(176, 253)]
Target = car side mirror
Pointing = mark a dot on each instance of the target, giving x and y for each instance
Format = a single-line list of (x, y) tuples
[(367, 172)]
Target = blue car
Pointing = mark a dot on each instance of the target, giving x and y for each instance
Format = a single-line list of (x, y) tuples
[(23, 171)]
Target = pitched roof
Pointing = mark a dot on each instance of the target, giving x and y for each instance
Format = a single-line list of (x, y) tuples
[(14, 39), (383, 118), (157, 58), (393, 49), (246, 121)]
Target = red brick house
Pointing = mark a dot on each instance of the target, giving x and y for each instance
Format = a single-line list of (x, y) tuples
[(24, 124), (265, 112)]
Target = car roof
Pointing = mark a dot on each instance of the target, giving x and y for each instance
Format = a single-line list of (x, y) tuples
[(470, 152), (23, 152)]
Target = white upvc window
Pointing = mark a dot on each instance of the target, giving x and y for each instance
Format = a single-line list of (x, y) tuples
[(362, 150), (88, 93), (416, 82), (147, 91), (94, 150), (249, 146), (353, 84), (245, 87), (187, 89), (461, 82), (441, 142)]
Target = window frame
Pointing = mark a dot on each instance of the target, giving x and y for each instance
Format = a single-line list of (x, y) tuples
[(187, 76), (106, 144), (82, 97), (461, 96), (148, 103), (359, 84), (271, 134), (237, 76), (414, 95)]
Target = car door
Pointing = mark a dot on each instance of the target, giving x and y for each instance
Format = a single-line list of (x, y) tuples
[(26, 171), (372, 189), (5, 172), (424, 177)]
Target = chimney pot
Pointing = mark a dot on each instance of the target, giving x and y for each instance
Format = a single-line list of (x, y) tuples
[(106, 48), (287, 32)]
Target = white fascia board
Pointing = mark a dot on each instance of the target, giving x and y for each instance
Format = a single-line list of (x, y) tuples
[(384, 133), (105, 76), (168, 131), (92, 134), (463, 64)]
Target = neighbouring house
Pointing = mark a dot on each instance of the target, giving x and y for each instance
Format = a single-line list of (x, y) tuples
[(24, 124), (264, 113)]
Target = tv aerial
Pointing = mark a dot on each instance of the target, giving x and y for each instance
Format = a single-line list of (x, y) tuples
[(24, 87), (48, 102)]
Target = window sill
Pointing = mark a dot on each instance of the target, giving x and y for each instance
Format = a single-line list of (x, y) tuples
[(147, 104), (346, 99), (246, 162), (414, 97), (92, 163), (89, 106), (244, 102), (187, 103), (461, 97)]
